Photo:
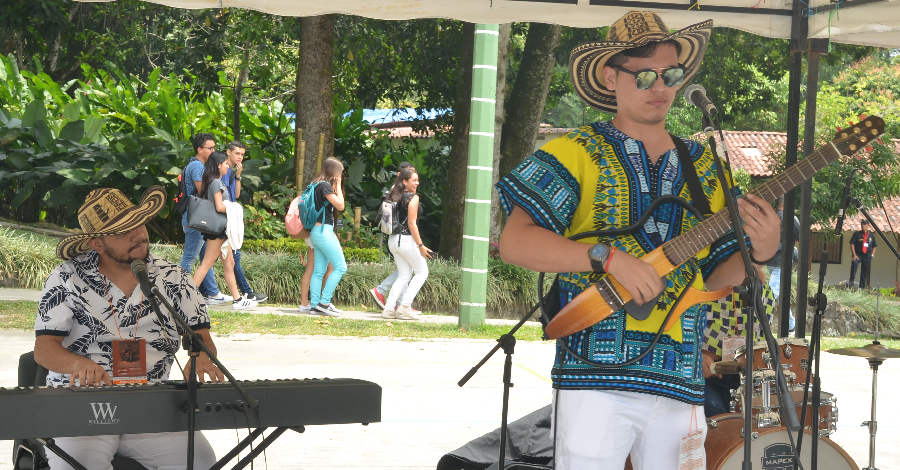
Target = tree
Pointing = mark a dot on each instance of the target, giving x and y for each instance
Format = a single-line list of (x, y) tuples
[(872, 87), (454, 198), (526, 101), (313, 97)]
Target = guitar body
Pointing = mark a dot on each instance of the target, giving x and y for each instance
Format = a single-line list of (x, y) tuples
[(607, 295), (590, 307)]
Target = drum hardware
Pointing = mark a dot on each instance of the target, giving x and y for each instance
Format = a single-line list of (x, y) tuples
[(875, 354), (787, 351)]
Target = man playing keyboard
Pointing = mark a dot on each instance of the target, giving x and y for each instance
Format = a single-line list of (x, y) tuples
[(92, 315)]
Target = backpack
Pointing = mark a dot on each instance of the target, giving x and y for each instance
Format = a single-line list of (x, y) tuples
[(292, 218), (306, 206), (181, 198), (389, 220), (181, 195)]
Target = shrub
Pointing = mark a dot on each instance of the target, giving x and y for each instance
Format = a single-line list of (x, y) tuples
[(274, 267), (295, 247)]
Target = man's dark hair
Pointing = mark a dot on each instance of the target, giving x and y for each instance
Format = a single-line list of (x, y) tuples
[(864, 222), (405, 165), (643, 52), (236, 144), (201, 139)]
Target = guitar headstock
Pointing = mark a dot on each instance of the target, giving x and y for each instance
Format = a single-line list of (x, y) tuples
[(858, 136)]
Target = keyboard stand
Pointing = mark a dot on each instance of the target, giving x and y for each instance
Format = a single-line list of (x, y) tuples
[(50, 444), (256, 451)]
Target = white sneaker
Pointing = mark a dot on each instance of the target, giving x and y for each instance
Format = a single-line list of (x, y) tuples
[(325, 310), (406, 313), (388, 314), (305, 308), (219, 299), (335, 309), (243, 303)]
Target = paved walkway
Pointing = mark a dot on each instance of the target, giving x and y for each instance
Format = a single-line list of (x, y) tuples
[(425, 414), (35, 295)]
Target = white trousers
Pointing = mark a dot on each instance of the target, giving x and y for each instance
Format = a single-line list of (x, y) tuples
[(598, 429), (156, 451), (409, 260)]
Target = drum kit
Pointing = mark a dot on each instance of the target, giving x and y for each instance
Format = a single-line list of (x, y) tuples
[(725, 442)]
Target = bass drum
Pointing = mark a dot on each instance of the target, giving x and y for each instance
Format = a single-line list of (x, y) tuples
[(770, 450)]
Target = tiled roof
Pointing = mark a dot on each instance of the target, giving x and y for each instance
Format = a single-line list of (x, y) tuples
[(749, 149)]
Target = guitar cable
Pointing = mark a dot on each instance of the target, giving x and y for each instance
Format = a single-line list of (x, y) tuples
[(668, 199)]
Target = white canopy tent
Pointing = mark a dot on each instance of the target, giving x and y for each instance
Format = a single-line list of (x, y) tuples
[(862, 22)]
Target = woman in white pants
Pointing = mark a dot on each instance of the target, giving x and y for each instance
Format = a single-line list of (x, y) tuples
[(409, 251)]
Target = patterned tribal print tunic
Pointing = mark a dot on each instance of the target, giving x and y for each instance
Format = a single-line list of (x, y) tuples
[(74, 304), (598, 178), (721, 320)]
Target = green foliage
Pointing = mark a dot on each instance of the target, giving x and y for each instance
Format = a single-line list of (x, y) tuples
[(274, 267), (296, 247), (872, 87)]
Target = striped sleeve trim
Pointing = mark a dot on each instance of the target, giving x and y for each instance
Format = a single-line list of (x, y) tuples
[(544, 188)]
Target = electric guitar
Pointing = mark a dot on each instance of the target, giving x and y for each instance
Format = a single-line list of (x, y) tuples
[(607, 295)]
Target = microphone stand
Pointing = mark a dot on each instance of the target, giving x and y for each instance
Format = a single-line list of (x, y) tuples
[(751, 295), (508, 343), (193, 343)]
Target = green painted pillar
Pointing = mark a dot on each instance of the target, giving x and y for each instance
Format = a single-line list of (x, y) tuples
[(476, 231)]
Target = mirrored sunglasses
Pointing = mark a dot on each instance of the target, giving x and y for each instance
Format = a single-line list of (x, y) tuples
[(644, 79)]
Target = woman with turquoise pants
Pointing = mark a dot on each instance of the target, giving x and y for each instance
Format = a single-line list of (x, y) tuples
[(330, 196)]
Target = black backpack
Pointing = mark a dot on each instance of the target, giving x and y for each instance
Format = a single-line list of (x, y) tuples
[(181, 196)]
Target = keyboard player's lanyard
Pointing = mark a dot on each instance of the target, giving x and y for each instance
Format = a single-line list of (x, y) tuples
[(129, 358)]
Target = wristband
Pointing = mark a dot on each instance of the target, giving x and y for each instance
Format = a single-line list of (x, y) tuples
[(237, 178), (612, 251), (420, 244), (761, 263)]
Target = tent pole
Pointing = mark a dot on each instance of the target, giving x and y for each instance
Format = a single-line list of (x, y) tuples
[(799, 33), (816, 48), (477, 226)]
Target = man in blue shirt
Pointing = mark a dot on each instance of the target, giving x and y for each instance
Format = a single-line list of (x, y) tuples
[(204, 144), (235, 151)]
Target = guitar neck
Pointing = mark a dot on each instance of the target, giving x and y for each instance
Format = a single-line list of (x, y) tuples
[(683, 247)]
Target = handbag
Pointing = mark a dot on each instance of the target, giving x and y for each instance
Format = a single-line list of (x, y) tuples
[(203, 217)]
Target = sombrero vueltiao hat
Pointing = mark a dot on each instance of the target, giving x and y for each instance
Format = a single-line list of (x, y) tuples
[(635, 29), (108, 212)]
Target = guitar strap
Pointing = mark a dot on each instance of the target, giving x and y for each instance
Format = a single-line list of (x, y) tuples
[(698, 197)]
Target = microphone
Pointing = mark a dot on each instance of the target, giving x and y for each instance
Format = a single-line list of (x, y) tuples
[(845, 201), (139, 269), (696, 95)]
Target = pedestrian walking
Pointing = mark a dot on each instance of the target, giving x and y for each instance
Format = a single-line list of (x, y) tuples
[(329, 196), (407, 247), (214, 189), (379, 292), (194, 245)]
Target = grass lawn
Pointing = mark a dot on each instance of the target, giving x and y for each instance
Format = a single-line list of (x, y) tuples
[(19, 315)]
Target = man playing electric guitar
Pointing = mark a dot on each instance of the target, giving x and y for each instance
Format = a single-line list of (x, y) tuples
[(605, 176)]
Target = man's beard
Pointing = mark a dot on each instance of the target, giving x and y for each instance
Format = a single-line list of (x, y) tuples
[(126, 258)]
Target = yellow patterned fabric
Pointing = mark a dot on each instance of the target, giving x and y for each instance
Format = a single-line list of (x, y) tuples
[(598, 178), (723, 320)]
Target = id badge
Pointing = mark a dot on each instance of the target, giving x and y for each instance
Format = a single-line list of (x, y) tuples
[(690, 455), (730, 346), (129, 362)]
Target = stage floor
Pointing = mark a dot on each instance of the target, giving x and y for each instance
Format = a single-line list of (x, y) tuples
[(425, 414)]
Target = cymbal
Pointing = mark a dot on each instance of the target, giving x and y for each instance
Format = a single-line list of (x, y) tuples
[(873, 350)]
